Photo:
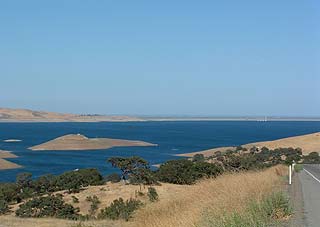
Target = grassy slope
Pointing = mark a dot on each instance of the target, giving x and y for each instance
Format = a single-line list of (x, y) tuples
[(178, 205), (308, 143)]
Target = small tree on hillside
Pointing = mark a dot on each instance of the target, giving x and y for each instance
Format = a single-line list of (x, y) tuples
[(129, 166)]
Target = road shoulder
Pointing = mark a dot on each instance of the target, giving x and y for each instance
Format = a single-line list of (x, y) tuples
[(296, 197)]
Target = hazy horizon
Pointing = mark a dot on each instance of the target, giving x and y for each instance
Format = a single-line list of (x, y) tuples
[(213, 59)]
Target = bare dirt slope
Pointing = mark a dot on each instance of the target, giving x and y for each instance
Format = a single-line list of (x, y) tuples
[(80, 142)]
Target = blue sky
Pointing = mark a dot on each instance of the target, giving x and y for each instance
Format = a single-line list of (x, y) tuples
[(161, 57)]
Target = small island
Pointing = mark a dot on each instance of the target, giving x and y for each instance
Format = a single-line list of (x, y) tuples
[(4, 164), (12, 140), (80, 142)]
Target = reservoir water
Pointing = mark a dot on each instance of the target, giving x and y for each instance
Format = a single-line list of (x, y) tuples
[(173, 137)]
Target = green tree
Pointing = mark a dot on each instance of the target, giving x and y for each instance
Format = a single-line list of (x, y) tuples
[(198, 158), (128, 166)]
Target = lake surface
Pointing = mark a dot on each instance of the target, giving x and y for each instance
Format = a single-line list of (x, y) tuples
[(173, 137)]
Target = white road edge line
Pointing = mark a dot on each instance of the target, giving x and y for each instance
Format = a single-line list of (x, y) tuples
[(312, 175)]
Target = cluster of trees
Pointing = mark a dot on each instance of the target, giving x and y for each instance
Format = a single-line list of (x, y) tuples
[(26, 187), (242, 159), (48, 206), (136, 170)]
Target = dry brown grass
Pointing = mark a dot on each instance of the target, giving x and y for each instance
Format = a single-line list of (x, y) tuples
[(227, 193), (179, 205)]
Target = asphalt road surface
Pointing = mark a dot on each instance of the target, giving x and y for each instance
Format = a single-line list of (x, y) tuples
[(310, 182)]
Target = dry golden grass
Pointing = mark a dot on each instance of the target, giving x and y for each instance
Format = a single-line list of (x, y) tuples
[(227, 193), (179, 205)]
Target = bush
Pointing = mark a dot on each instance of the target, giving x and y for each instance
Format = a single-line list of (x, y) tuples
[(94, 204), (298, 167), (312, 158), (113, 177), (152, 194), (143, 176), (73, 181), (186, 172), (9, 192), (75, 199), (198, 158), (205, 169), (48, 206), (120, 209), (242, 162), (276, 206), (4, 208)]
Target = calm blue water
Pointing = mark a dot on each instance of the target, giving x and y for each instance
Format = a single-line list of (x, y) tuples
[(172, 137)]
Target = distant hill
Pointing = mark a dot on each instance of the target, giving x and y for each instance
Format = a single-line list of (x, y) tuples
[(25, 115)]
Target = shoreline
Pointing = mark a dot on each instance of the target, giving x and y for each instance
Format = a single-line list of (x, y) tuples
[(161, 120)]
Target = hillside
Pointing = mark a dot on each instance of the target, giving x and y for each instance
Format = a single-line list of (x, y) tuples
[(24, 115), (203, 204), (308, 143)]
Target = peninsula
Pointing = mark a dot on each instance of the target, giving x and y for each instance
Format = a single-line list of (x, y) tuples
[(81, 142), (308, 143), (4, 164)]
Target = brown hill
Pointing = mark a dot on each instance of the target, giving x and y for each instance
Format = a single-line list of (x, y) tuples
[(24, 115), (80, 142), (308, 143)]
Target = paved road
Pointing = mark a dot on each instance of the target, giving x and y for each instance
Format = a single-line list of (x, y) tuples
[(310, 181)]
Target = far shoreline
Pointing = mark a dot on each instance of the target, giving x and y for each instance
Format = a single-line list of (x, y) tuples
[(168, 120)]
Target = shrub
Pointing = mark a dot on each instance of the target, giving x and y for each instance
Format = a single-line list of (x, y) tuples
[(9, 192), (198, 158), (298, 167), (176, 172), (44, 184), (242, 162), (113, 177), (73, 181), (276, 206), (239, 148), (75, 199), (186, 172), (48, 206), (205, 169), (120, 209), (128, 166), (4, 208), (152, 194), (312, 158), (143, 176), (94, 204)]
